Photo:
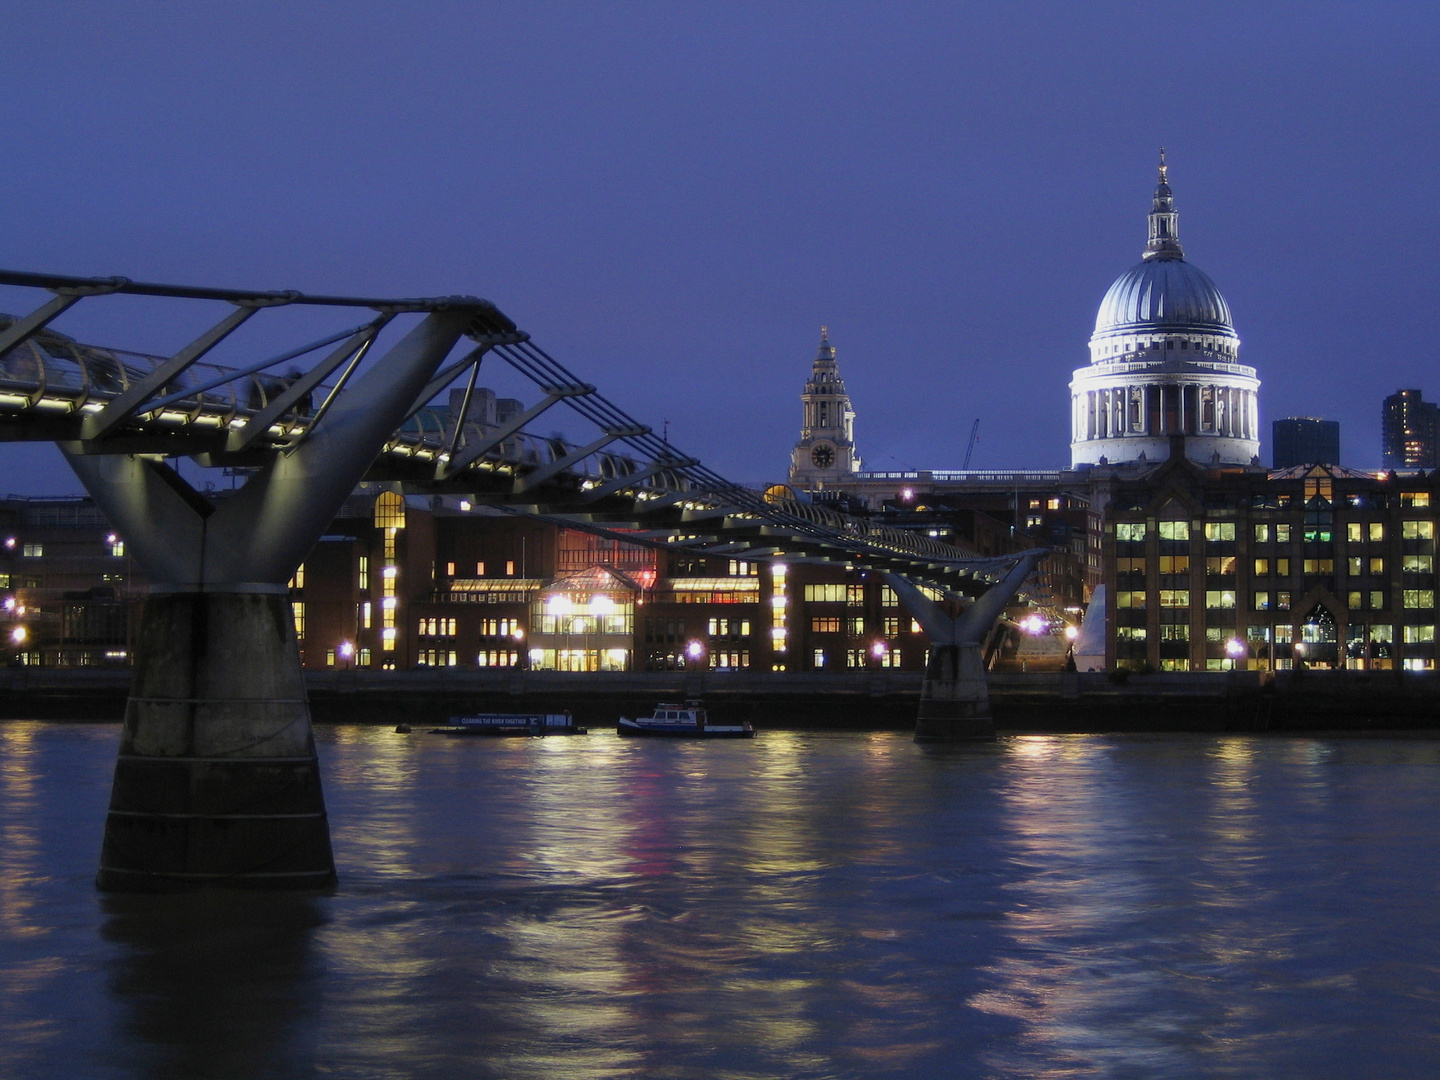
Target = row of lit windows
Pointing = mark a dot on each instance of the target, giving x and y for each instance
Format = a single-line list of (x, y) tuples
[(499, 627), (857, 658), (438, 627), (1281, 532), (732, 628), (496, 658), (450, 568), (1267, 600), (583, 624), (1378, 634), (855, 625), (1355, 565)]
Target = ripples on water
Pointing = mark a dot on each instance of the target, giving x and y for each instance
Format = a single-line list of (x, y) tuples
[(804, 905)]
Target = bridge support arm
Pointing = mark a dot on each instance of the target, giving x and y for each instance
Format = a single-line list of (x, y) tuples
[(473, 452), (534, 479), (955, 697), (217, 783), (124, 406)]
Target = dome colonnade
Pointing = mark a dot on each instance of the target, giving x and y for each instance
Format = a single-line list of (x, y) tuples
[(1164, 362)]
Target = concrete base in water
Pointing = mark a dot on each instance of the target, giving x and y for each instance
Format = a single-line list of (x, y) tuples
[(954, 700), (217, 783)]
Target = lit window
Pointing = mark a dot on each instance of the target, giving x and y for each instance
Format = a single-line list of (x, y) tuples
[(117, 549), (33, 551), (389, 510), (1174, 530), (1419, 598), (1417, 530)]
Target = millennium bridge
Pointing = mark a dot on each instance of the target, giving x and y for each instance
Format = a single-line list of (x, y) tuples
[(217, 783)]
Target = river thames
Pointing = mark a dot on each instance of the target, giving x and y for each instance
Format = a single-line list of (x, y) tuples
[(803, 905)]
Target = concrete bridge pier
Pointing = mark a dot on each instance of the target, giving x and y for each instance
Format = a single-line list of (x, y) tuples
[(217, 783), (955, 697)]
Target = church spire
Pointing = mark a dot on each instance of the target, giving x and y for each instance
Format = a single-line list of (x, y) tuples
[(1164, 242)]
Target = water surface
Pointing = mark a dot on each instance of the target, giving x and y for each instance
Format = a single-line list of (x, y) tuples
[(803, 905)]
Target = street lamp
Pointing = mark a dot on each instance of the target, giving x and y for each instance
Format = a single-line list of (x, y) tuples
[(1235, 649), (695, 650), (346, 652)]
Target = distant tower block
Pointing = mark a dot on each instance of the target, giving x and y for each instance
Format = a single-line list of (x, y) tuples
[(825, 454), (1304, 440), (1409, 431), (1164, 363)]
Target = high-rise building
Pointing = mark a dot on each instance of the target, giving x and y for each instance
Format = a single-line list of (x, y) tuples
[(1304, 440), (1164, 364), (825, 453), (1409, 431)]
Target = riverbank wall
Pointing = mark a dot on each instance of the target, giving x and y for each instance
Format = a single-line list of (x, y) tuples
[(880, 700)]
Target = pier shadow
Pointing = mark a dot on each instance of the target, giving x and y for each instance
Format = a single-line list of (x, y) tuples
[(214, 984)]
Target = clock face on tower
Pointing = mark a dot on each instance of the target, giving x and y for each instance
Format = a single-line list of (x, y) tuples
[(822, 456)]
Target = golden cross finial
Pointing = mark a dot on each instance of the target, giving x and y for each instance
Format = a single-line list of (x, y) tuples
[(1163, 167)]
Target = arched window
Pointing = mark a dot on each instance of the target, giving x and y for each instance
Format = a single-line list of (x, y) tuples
[(389, 510)]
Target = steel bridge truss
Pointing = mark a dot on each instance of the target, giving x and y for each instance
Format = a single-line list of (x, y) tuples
[(624, 481)]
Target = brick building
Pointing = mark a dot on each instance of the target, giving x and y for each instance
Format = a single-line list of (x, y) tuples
[(1221, 568)]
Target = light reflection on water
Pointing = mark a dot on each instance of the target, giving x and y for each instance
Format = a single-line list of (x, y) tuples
[(804, 905)]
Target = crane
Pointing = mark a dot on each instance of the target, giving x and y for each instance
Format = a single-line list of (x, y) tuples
[(970, 447)]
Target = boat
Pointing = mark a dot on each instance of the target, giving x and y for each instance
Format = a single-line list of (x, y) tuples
[(683, 721), (512, 724)]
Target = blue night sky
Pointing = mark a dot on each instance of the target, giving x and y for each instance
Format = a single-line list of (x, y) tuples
[(672, 198)]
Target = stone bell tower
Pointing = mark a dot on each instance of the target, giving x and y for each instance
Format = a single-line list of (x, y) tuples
[(825, 454)]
